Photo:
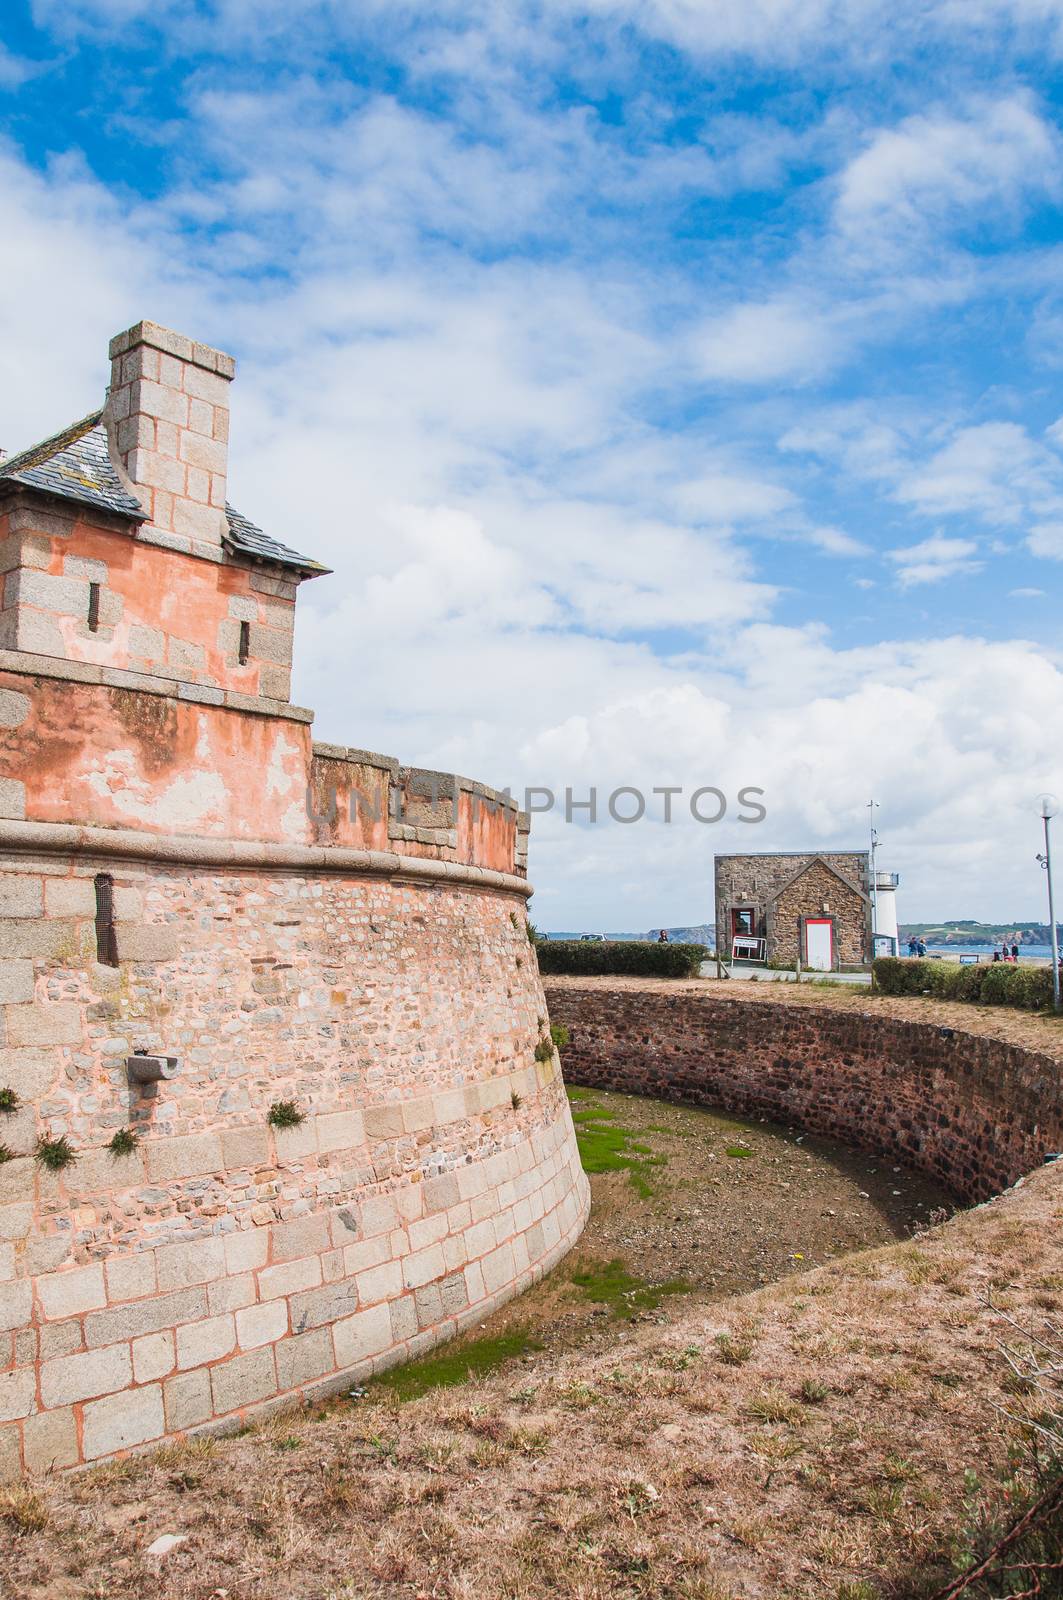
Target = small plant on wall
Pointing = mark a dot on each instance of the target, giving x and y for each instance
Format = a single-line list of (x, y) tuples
[(557, 1040), (285, 1114), (6, 1154), (124, 1142), (55, 1154), (8, 1100)]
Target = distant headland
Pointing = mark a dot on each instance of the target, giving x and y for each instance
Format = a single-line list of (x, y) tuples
[(976, 933)]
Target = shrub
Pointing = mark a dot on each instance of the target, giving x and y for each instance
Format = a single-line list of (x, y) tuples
[(995, 983), (1036, 985), (894, 976), (995, 988), (969, 984), (636, 957), (124, 1142), (559, 1034), (1027, 987), (285, 1114), (8, 1100)]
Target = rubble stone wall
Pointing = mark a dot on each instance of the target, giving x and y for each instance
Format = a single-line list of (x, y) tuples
[(974, 1112)]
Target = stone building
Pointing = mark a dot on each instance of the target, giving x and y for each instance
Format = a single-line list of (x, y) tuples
[(275, 1106), (791, 906)]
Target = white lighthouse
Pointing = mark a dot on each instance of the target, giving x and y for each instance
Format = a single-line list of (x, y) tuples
[(884, 912)]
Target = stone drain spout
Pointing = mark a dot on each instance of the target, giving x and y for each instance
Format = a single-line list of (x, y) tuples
[(151, 1069)]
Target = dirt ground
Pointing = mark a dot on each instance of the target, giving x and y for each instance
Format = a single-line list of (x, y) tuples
[(719, 1223)]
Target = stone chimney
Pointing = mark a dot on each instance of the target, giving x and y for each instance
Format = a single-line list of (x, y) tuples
[(167, 418)]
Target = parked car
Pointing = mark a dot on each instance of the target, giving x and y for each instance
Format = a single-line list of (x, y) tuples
[(592, 938)]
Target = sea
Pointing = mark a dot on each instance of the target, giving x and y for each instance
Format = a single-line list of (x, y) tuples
[(1034, 955)]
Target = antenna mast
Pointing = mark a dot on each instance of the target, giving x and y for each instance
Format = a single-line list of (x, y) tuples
[(872, 807)]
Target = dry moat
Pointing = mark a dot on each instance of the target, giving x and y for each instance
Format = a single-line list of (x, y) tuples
[(689, 1206)]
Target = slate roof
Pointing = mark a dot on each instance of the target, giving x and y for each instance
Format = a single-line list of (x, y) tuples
[(76, 465), (249, 540)]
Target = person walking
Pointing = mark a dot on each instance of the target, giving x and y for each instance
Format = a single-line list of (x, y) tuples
[(1015, 953), (913, 946), (921, 948)]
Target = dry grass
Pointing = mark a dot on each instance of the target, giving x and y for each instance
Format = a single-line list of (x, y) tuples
[(831, 1455)]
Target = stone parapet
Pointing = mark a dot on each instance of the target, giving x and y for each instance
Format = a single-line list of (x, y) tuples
[(83, 746)]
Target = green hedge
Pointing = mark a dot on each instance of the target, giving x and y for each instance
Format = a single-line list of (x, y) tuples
[(992, 983), (619, 957)]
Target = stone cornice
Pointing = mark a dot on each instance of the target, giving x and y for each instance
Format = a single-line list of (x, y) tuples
[(34, 666), (239, 855)]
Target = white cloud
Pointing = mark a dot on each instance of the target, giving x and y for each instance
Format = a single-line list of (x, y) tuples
[(993, 469), (934, 559), (1047, 540), (819, 730), (762, 342), (477, 39), (15, 70), (723, 497), (833, 542), (935, 170)]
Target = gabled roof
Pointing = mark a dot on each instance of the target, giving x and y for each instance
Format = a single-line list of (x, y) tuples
[(812, 862), (76, 465)]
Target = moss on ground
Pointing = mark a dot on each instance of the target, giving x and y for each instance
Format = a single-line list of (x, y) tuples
[(604, 1146), (457, 1363), (609, 1283)]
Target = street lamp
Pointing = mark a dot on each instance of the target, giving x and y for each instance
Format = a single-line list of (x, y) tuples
[(1048, 805)]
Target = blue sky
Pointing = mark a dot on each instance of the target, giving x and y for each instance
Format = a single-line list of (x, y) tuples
[(675, 388)]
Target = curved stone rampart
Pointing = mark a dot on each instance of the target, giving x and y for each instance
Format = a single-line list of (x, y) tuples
[(971, 1110), (226, 1264)]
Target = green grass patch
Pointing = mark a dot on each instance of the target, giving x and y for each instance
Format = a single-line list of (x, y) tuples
[(592, 1113), (740, 1152), (455, 1364), (606, 1147), (609, 1283)]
